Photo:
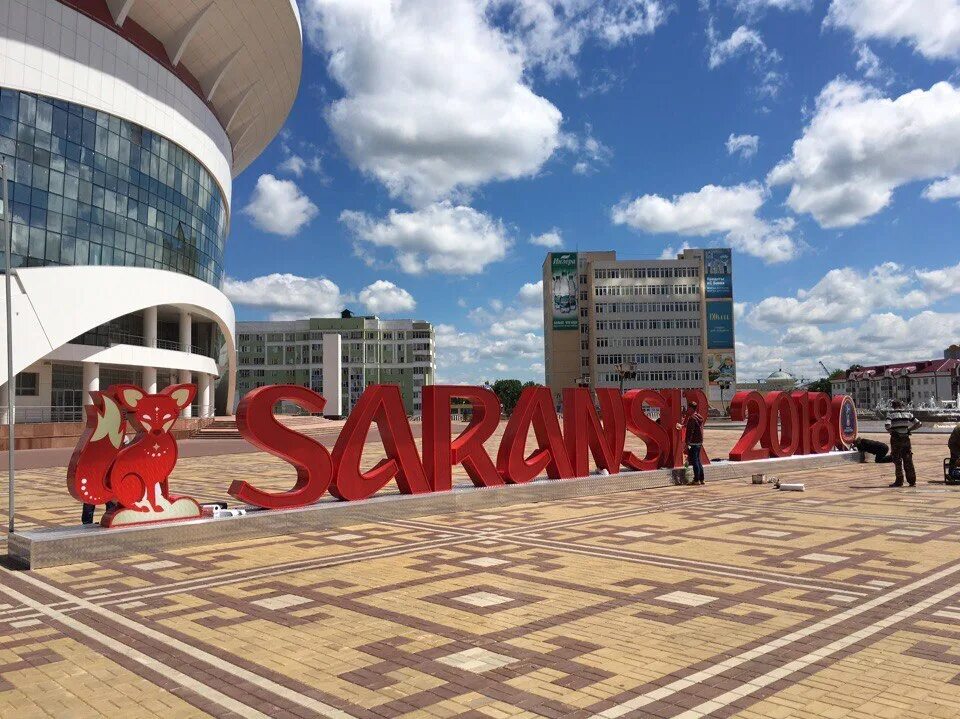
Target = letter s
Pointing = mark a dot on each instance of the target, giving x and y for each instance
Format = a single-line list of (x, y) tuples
[(260, 428)]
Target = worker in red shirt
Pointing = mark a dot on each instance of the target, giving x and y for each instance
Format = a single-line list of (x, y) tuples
[(693, 424)]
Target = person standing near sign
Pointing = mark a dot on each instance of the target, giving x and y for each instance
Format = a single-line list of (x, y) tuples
[(694, 435), (900, 423), (953, 444)]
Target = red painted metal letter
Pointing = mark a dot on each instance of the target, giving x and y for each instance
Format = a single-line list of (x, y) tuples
[(535, 407), (384, 405), (260, 428), (440, 453), (584, 433)]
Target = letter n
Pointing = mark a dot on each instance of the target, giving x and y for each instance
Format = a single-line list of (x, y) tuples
[(584, 433)]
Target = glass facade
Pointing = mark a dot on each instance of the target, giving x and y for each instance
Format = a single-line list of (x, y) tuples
[(89, 188)]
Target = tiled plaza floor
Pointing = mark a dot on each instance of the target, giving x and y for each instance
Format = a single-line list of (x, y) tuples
[(724, 600)]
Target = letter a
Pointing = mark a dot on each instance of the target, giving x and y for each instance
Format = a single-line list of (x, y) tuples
[(535, 407), (381, 404)]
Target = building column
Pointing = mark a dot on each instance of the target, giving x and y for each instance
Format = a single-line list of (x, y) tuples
[(91, 380), (186, 331), (204, 394), (150, 327), (150, 380), (332, 368), (186, 377)]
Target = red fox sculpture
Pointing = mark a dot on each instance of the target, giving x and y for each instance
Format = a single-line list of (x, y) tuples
[(133, 476)]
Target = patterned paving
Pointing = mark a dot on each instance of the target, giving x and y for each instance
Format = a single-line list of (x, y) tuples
[(730, 600)]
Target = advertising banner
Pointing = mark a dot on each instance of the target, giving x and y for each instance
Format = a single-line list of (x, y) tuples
[(720, 324), (721, 367), (565, 279), (718, 274)]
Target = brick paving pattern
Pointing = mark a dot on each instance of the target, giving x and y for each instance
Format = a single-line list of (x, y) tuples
[(730, 600)]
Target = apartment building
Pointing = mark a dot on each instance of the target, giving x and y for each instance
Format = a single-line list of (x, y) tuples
[(640, 323), (338, 357), (923, 383)]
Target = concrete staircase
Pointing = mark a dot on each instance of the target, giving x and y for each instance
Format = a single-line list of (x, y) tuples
[(220, 428), (226, 427)]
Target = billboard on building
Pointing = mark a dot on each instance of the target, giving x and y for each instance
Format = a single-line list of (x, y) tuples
[(718, 274), (565, 287), (721, 367), (720, 324)]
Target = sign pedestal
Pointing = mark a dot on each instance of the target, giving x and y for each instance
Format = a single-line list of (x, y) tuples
[(91, 543)]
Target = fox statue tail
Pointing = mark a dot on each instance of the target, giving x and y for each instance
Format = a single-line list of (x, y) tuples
[(96, 449)]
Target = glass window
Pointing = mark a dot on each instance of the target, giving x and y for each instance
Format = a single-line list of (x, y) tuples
[(28, 384), (106, 191)]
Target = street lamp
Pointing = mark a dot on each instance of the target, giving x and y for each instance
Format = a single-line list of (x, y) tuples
[(624, 369), (724, 385), (11, 381)]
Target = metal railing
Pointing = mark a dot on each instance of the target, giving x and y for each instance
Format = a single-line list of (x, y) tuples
[(42, 415), (39, 415), (128, 338)]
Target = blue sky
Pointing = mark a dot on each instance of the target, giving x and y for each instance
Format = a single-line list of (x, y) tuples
[(438, 146)]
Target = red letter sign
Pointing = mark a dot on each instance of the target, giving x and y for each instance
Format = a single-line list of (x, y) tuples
[(584, 432), (535, 407), (653, 434), (260, 428), (384, 405), (440, 453)]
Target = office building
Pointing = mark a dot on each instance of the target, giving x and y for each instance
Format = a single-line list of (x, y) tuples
[(931, 383), (338, 358), (640, 323), (122, 124)]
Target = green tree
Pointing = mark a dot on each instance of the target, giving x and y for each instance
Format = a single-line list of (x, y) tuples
[(508, 391), (821, 385)]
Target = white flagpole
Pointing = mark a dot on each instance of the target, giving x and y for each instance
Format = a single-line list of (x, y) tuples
[(11, 380)]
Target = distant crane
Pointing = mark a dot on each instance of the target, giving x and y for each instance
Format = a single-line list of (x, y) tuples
[(824, 368)]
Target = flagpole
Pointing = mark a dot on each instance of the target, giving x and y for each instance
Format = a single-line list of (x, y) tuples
[(11, 380)]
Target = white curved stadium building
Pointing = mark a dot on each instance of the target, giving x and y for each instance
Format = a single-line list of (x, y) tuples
[(122, 124)]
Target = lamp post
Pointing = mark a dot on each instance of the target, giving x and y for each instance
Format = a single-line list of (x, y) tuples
[(724, 385), (11, 381), (624, 369)]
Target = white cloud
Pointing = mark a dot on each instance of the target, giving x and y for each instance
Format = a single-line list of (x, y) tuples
[(441, 237), (589, 151), (531, 294), (930, 27), (288, 296), (730, 211), (741, 41), (385, 298), (435, 97), (842, 295), (670, 252), (551, 239), (880, 338), (296, 165), (947, 188), (279, 207), (941, 282), (745, 40), (525, 314), (753, 7), (507, 340), (744, 145), (551, 33), (869, 64), (859, 147)]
